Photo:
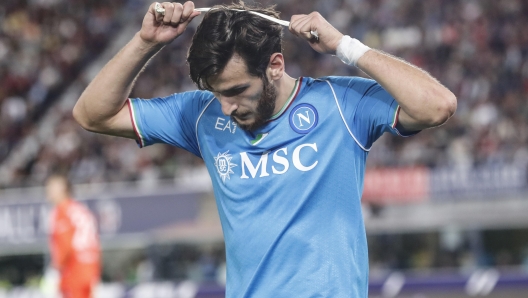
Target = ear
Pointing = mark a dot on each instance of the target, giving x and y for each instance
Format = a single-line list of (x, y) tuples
[(275, 69)]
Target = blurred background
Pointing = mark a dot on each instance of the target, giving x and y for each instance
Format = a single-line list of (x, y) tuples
[(446, 211)]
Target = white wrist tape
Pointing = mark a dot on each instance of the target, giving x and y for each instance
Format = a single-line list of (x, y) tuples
[(350, 50)]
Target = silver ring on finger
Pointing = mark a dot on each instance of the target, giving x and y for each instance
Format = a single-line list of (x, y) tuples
[(159, 9)]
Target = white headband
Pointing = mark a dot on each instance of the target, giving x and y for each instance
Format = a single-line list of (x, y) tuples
[(159, 9)]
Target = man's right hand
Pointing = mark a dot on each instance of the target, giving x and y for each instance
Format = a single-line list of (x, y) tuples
[(158, 29)]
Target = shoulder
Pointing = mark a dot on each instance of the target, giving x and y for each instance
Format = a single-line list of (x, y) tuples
[(74, 204), (348, 81), (55, 214), (198, 98), (200, 95), (352, 87), (61, 217), (337, 81), (188, 104)]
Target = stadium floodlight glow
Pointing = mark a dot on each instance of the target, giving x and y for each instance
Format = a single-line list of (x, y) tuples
[(159, 9)]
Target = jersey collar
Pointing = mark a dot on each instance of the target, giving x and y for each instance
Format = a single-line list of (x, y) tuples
[(288, 102)]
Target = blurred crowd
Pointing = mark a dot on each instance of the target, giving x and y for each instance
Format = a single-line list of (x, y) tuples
[(43, 46), (478, 49)]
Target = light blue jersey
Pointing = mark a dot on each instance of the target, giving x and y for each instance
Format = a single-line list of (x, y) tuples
[(289, 193)]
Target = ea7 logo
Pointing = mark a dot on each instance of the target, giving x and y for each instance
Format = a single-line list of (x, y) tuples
[(281, 162), (223, 124)]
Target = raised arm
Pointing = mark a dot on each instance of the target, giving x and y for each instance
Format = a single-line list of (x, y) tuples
[(101, 107), (423, 100)]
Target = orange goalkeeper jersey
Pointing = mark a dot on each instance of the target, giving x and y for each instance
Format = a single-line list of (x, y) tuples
[(74, 244)]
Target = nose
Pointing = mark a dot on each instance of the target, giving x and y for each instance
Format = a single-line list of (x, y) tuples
[(228, 106)]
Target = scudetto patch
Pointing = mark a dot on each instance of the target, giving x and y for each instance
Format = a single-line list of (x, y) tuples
[(303, 118)]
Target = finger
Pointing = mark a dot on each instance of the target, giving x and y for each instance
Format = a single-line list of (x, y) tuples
[(294, 19), (188, 9), (177, 14), (158, 17), (169, 10), (305, 27), (293, 22), (186, 23), (191, 17), (299, 25)]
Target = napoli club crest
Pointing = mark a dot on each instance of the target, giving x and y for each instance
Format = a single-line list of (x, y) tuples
[(303, 118)]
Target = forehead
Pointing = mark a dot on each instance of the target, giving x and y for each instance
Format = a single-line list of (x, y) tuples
[(234, 73)]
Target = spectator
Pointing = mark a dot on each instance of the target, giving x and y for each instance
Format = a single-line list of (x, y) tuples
[(478, 49), (43, 45)]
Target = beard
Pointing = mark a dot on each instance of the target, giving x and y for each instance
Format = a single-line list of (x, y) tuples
[(264, 111)]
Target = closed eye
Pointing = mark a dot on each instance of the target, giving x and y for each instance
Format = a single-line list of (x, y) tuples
[(234, 91)]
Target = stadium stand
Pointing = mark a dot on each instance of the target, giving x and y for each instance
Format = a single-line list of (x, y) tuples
[(477, 49), (43, 46), (50, 49)]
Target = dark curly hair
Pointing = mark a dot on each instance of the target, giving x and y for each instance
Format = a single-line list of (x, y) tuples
[(224, 32)]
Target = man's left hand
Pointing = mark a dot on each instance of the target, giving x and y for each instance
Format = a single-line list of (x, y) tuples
[(328, 36)]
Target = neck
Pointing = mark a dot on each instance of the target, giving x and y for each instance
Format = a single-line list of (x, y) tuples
[(61, 199), (284, 89)]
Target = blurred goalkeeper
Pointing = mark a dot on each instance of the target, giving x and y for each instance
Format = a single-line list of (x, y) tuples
[(286, 155), (74, 241)]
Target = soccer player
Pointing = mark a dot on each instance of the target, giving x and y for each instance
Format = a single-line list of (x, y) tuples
[(286, 155), (74, 242)]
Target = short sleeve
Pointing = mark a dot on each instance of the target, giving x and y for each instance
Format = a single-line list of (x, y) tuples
[(169, 120), (368, 109)]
